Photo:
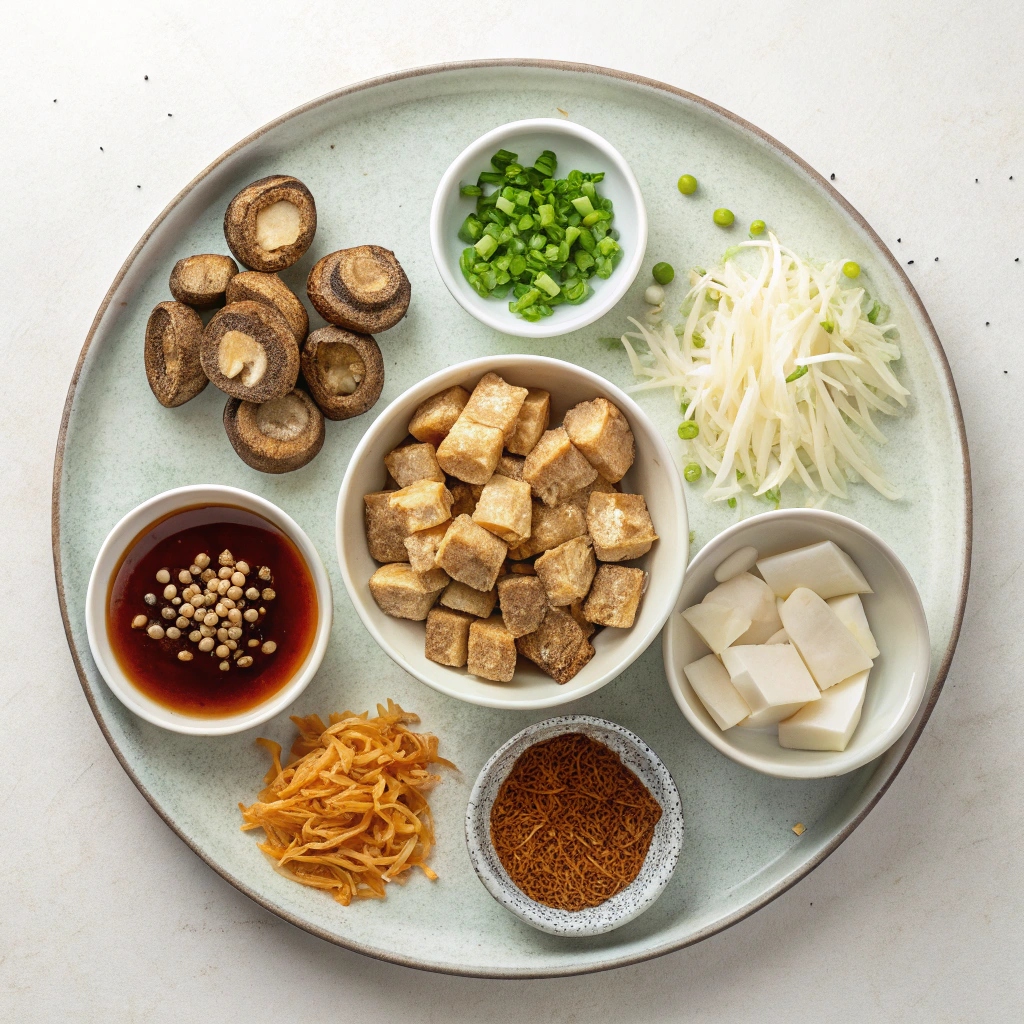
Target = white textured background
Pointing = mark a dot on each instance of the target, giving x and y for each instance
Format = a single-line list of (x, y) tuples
[(104, 914)]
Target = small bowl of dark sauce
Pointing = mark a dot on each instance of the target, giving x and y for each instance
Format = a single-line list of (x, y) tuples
[(208, 610)]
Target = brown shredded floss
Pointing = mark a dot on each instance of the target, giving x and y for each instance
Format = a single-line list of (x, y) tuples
[(571, 823), (348, 814)]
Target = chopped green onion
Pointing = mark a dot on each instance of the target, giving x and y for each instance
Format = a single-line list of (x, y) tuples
[(774, 495), (505, 205), (723, 217), (688, 430), (471, 190), (692, 472), (544, 281), (687, 184), (796, 374), (583, 205), (693, 536), (827, 326), (663, 272), (486, 246), (698, 340)]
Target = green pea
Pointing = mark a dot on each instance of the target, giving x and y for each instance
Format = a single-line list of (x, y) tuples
[(687, 184), (698, 340), (663, 272), (688, 431), (723, 217), (692, 472), (757, 227), (731, 503), (851, 269)]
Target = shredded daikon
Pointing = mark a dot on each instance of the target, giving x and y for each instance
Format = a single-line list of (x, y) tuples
[(780, 369)]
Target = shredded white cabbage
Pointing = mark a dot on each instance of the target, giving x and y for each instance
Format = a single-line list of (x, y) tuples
[(729, 362)]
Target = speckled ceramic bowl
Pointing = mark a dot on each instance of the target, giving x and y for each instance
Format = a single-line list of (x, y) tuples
[(661, 857)]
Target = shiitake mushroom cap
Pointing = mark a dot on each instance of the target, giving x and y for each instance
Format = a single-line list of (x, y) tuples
[(248, 350), (334, 359), (255, 286), (200, 281), (174, 370), (265, 235), (276, 436), (364, 289)]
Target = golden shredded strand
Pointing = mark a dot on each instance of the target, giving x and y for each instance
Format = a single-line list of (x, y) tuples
[(348, 813)]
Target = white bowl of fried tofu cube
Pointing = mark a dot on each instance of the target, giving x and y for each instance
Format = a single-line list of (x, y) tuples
[(799, 645), (512, 531)]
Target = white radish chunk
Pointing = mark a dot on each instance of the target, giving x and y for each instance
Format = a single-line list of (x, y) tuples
[(824, 568), (827, 647), (851, 614), (829, 723), (769, 677), (782, 637), (752, 598), (717, 625), (712, 685), (739, 561)]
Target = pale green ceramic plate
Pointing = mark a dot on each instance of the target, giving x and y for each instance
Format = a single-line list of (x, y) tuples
[(372, 156)]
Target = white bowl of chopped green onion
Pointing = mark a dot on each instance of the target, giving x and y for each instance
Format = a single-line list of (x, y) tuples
[(538, 228)]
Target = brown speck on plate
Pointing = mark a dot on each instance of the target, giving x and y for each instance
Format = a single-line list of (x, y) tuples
[(799, 829)]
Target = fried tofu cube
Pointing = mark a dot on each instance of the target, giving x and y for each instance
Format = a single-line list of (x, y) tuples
[(557, 647), (615, 596), (447, 640), (510, 466), (424, 504), (521, 568), (463, 498), (582, 496), (437, 415), (492, 650), (602, 433), (422, 546), (550, 527), (494, 403), (471, 451), (413, 462), (523, 603), (505, 508), (534, 418), (385, 528), (555, 468), (471, 554), (460, 597), (405, 594), (576, 611), (567, 571), (620, 526)]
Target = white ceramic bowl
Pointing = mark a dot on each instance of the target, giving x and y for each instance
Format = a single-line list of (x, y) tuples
[(576, 148), (661, 858), (117, 543), (653, 475), (897, 682)]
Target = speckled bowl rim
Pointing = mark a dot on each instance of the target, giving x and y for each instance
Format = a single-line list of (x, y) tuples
[(931, 336), (499, 317), (626, 905)]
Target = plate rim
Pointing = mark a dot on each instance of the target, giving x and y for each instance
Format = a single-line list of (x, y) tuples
[(912, 735)]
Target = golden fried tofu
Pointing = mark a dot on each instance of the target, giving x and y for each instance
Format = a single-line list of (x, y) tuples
[(460, 597), (471, 554), (385, 528), (582, 496), (576, 611), (413, 462), (567, 571), (422, 546), (424, 504), (556, 469), (549, 527), (523, 603), (437, 415), (494, 403), (447, 640), (471, 451), (533, 420), (405, 594), (620, 526), (557, 647), (602, 433), (492, 650), (505, 508), (615, 596)]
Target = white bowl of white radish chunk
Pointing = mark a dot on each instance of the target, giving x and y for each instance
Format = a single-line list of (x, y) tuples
[(812, 635)]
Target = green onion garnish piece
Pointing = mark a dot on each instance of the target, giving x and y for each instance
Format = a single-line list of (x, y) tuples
[(827, 326), (471, 190), (796, 374)]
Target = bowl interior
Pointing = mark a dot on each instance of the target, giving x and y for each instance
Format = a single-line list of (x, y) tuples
[(109, 557), (653, 475), (661, 858), (576, 148), (894, 611)]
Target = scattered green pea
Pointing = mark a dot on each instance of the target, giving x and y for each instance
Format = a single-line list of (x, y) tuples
[(851, 269), (723, 217), (687, 184), (688, 430), (692, 472), (757, 227), (698, 340), (663, 272), (731, 503)]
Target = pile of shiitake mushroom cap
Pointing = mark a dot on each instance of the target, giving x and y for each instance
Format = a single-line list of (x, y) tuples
[(257, 345)]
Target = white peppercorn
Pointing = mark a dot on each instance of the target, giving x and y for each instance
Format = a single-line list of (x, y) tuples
[(184, 576), (250, 615), (150, 599), (168, 613), (253, 594), (224, 666), (195, 636), (185, 655), (244, 662), (202, 560), (163, 576), (156, 631), (173, 633), (206, 644), (243, 568), (181, 622), (140, 621), (269, 594), (269, 647)]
